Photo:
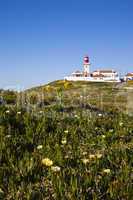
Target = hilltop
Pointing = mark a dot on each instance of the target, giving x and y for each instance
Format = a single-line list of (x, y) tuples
[(103, 96)]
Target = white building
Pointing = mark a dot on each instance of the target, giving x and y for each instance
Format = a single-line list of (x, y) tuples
[(128, 76), (96, 76), (77, 74), (106, 74)]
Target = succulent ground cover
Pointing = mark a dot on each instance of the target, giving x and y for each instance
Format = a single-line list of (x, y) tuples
[(73, 142)]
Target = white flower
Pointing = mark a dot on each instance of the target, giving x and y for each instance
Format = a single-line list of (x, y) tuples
[(40, 111), (39, 147), (55, 168), (8, 136), (1, 191), (63, 141), (66, 131), (66, 157), (19, 113), (100, 115), (7, 111), (76, 116), (92, 156), (103, 136), (84, 153), (107, 171), (111, 130), (121, 123)]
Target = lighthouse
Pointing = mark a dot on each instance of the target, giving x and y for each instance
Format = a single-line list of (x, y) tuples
[(86, 64)]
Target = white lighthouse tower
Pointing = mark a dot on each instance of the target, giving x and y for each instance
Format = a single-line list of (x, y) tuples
[(86, 64)]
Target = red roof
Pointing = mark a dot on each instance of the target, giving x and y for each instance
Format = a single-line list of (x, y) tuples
[(105, 71), (98, 75), (129, 74)]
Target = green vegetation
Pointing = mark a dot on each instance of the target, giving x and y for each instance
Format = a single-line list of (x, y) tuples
[(8, 96), (67, 141)]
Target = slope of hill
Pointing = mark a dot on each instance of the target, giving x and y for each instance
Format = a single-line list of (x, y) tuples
[(103, 96), (68, 141)]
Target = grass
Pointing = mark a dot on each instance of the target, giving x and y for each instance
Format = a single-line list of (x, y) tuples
[(87, 144)]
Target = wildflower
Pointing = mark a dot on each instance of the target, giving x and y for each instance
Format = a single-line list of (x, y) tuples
[(1, 191), (2, 194), (19, 113), (107, 171), (100, 115), (91, 156), (7, 111), (66, 157), (85, 161), (55, 168), (39, 147), (111, 130), (99, 177), (31, 163), (99, 155), (66, 131), (66, 85), (47, 162), (41, 111), (103, 136), (63, 141), (84, 153), (8, 136), (121, 123), (47, 87)]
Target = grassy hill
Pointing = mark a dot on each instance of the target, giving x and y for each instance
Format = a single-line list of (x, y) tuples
[(68, 141), (104, 96)]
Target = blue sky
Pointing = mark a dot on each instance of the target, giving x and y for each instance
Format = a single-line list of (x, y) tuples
[(44, 40)]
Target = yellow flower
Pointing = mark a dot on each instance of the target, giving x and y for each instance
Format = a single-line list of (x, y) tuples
[(92, 156), (66, 131), (55, 168), (66, 85), (98, 155), (85, 161), (39, 147), (48, 88), (121, 123), (47, 162), (63, 141), (84, 153), (107, 171)]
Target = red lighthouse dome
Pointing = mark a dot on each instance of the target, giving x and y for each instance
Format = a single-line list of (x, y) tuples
[(86, 60)]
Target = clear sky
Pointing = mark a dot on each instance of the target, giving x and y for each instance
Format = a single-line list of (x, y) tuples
[(44, 40)]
